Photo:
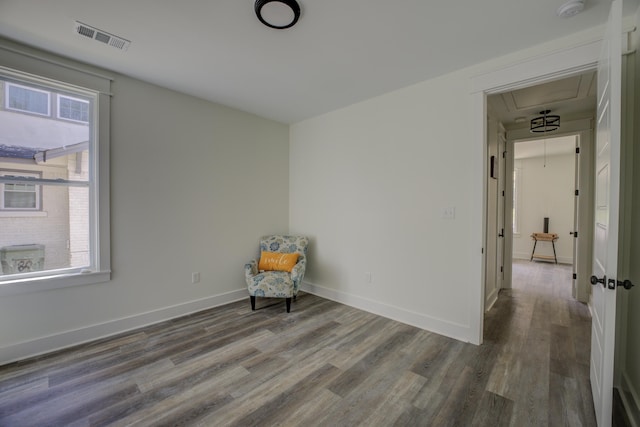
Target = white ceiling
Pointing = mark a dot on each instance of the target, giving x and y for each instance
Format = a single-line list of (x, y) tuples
[(339, 53), (571, 98)]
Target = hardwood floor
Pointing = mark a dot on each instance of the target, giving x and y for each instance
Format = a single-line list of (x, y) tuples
[(322, 364)]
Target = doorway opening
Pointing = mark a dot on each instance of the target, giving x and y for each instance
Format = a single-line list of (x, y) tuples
[(544, 216), (546, 187)]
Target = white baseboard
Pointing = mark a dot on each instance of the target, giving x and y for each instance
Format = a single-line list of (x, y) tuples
[(491, 300), (521, 255), (631, 403), (38, 346), (527, 257), (439, 326)]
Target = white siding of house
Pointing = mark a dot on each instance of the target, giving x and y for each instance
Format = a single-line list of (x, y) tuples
[(45, 227), (79, 211)]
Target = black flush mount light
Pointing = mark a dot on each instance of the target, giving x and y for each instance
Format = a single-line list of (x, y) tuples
[(279, 14), (545, 122)]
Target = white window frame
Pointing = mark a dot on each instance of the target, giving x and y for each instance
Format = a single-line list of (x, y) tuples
[(59, 98), (9, 85), (49, 70), (21, 173)]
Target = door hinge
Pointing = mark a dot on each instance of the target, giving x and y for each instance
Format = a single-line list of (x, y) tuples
[(575, 276), (577, 150), (504, 154), (501, 269), (502, 193), (577, 192)]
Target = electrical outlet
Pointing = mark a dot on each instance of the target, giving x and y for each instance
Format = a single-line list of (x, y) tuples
[(195, 277), (449, 213)]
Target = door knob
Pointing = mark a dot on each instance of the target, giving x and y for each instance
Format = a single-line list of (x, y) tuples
[(625, 284), (595, 280)]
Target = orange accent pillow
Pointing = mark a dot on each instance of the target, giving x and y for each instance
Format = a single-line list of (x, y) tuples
[(276, 261)]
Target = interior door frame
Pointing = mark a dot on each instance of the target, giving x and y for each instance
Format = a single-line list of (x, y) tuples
[(584, 132), (562, 63)]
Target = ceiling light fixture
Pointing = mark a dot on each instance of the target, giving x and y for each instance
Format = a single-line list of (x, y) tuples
[(278, 14), (570, 8), (545, 123)]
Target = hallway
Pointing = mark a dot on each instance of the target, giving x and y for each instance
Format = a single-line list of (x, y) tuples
[(543, 337)]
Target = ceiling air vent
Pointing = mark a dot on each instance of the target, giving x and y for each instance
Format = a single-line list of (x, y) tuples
[(101, 36)]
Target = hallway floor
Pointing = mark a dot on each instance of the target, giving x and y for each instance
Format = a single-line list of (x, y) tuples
[(544, 336)]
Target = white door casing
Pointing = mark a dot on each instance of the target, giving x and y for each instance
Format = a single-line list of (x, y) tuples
[(573, 234), (567, 61), (605, 242)]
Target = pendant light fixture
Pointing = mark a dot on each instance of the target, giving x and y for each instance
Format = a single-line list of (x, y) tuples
[(278, 14), (545, 122)]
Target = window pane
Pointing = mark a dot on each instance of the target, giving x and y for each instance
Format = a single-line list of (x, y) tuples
[(34, 101), (73, 109), (55, 241), (19, 195), (19, 199), (46, 224)]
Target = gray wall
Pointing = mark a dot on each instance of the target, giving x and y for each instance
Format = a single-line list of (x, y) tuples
[(193, 187)]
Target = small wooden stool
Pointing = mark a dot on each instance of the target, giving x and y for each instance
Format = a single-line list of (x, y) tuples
[(544, 237)]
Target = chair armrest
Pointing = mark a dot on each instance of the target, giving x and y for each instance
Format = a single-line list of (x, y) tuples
[(297, 272), (251, 268)]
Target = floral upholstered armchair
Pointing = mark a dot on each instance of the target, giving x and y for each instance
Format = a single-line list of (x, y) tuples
[(280, 270)]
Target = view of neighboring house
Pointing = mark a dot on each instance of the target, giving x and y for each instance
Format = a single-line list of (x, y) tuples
[(44, 170)]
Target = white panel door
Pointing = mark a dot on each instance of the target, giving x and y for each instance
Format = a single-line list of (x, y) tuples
[(605, 243)]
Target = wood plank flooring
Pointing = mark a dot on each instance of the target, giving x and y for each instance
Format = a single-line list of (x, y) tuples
[(322, 364)]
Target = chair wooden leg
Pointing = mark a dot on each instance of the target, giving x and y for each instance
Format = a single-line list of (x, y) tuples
[(288, 300), (253, 302)]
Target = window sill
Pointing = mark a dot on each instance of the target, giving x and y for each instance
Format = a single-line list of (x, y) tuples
[(22, 214), (47, 283)]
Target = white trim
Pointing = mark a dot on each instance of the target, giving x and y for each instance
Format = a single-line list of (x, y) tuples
[(432, 324), (38, 346), (536, 70), (21, 57), (491, 300), (34, 70), (527, 257), (52, 281), (22, 214), (531, 71), (516, 192)]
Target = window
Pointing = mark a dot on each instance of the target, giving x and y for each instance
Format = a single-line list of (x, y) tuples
[(516, 200), (20, 194), (54, 176), (73, 109), (28, 99)]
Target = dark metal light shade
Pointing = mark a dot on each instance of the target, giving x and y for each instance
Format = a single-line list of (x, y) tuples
[(545, 123), (273, 21)]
